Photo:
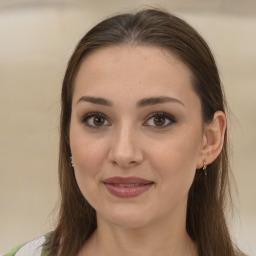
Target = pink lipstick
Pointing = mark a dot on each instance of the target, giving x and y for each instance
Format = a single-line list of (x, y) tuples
[(127, 186)]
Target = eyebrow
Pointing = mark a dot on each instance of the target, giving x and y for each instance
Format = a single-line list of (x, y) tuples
[(96, 100), (141, 103), (157, 100)]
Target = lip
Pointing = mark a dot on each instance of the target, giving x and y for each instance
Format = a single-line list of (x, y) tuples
[(127, 186)]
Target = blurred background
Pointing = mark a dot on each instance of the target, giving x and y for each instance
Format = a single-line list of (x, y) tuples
[(36, 40)]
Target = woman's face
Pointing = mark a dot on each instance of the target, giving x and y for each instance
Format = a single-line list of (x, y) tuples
[(136, 134)]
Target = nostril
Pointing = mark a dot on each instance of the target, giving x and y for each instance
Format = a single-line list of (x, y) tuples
[(125, 155), (114, 163)]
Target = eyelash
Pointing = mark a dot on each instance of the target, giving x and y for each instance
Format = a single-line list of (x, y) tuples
[(164, 115), (86, 117)]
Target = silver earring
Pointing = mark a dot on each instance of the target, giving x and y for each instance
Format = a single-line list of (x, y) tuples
[(71, 160), (204, 168)]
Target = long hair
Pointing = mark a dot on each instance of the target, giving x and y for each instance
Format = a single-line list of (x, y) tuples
[(205, 221)]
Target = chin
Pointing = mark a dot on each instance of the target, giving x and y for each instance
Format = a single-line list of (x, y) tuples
[(126, 217)]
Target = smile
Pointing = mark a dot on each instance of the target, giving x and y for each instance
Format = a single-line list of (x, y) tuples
[(127, 186)]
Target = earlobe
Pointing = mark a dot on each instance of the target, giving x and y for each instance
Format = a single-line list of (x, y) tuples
[(213, 139)]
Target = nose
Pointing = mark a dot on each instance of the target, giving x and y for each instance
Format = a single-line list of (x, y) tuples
[(125, 150)]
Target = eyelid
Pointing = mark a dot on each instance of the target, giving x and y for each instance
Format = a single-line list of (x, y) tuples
[(170, 117), (93, 114)]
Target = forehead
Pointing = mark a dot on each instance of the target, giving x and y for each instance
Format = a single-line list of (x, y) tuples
[(131, 72)]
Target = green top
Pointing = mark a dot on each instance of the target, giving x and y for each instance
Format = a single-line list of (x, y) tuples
[(35, 247)]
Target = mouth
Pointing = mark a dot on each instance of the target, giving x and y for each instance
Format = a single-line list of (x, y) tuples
[(127, 186)]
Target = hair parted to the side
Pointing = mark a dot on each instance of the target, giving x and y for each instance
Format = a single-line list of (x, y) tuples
[(206, 223)]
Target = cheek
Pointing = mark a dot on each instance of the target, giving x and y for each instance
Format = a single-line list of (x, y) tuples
[(88, 156), (175, 162), (87, 170), (87, 149)]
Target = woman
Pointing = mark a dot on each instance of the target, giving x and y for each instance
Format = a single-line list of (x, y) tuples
[(143, 163)]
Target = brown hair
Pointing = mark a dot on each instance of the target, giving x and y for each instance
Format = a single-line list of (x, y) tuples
[(206, 224)]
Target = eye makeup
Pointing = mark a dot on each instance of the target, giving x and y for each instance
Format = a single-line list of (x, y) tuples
[(158, 120), (95, 120)]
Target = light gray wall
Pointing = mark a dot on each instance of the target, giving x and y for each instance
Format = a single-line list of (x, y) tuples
[(36, 41)]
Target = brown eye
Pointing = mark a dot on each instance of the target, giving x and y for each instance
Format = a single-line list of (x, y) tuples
[(160, 120), (95, 120), (98, 121)]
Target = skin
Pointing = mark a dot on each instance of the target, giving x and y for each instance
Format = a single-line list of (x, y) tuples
[(129, 142)]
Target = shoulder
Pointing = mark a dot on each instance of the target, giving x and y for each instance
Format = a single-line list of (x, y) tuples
[(33, 248)]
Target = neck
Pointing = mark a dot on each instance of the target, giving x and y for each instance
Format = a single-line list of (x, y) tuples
[(157, 239)]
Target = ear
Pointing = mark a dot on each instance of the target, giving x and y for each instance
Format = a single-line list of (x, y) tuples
[(213, 138)]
